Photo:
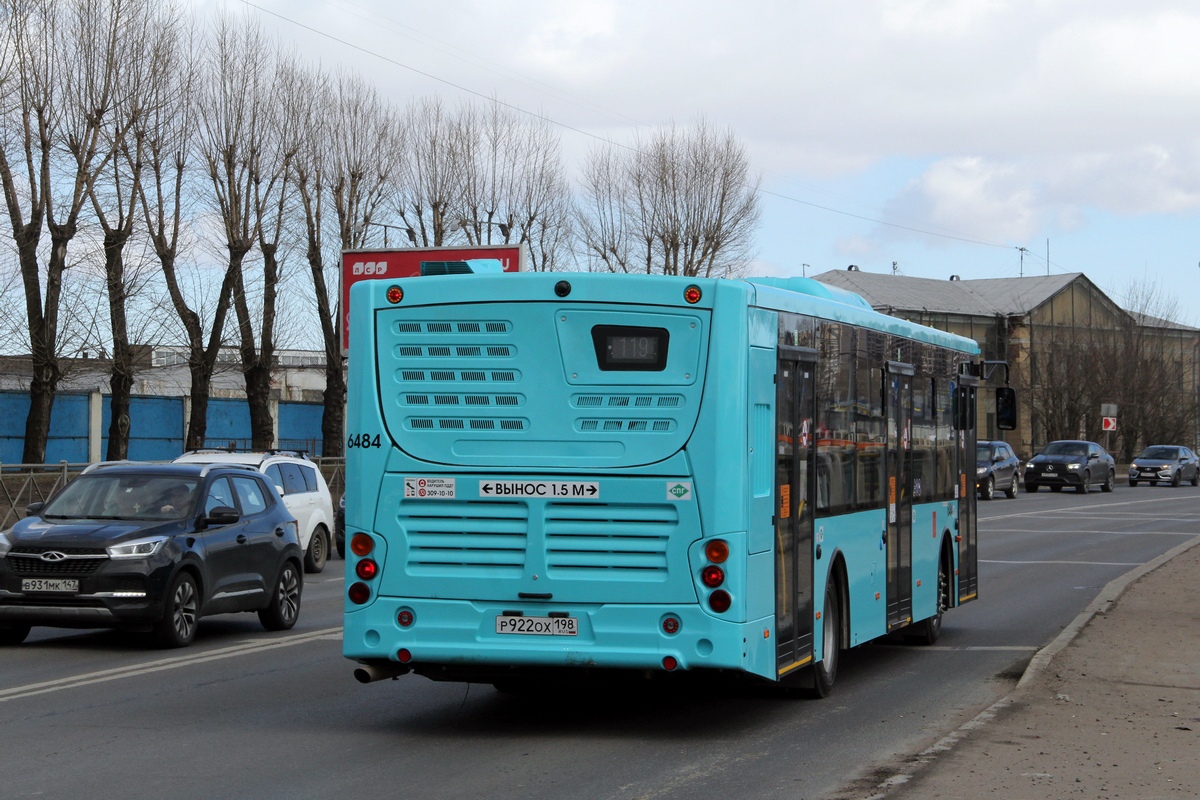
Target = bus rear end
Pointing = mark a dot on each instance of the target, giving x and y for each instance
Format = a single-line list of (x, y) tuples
[(521, 494)]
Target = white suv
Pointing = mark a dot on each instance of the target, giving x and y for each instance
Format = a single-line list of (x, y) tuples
[(303, 489)]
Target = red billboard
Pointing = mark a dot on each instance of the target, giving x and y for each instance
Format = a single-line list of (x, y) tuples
[(364, 265)]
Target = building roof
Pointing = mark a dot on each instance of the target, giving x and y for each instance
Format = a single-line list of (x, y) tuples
[(980, 298)]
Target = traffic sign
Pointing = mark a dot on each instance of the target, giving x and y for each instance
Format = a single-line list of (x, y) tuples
[(1108, 423)]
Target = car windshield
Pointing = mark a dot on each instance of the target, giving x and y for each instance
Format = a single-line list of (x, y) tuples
[(1065, 449), (983, 452), (131, 496), (1160, 452)]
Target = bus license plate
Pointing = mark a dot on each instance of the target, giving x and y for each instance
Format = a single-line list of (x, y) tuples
[(539, 626), (49, 585)]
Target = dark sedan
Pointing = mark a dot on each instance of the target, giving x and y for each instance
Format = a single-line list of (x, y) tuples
[(996, 467), (151, 547), (1071, 463), (1167, 463)]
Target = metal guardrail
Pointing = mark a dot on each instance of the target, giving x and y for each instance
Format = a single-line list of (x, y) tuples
[(22, 484)]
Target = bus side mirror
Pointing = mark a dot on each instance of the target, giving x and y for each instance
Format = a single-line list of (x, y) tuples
[(1006, 408)]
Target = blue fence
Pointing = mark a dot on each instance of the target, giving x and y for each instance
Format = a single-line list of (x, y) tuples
[(156, 429)]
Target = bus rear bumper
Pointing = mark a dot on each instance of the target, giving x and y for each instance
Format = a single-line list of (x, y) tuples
[(461, 638)]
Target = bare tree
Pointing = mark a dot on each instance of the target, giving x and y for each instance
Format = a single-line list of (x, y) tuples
[(166, 133), (348, 156), (431, 174), (31, 116), (141, 31), (233, 135), (678, 203), (513, 183)]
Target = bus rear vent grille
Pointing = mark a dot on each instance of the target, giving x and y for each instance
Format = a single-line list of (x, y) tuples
[(459, 540), (467, 424), (472, 400), (455, 351), (602, 542), (633, 425), (627, 401), (464, 375), (473, 326)]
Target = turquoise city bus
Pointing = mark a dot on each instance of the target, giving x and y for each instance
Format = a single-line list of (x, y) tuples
[(556, 474)]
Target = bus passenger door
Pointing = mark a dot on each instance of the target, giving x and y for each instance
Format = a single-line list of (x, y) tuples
[(968, 566), (795, 474), (897, 535)]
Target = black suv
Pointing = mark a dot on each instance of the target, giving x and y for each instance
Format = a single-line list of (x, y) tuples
[(152, 547), (996, 467), (1071, 462)]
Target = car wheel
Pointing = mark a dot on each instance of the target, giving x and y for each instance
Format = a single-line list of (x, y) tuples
[(1176, 478), (284, 609), (12, 635), (927, 631), (1011, 491), (1132, 482), (181, 613), (824, 672), (988, 490), (318, 550), (1085, 485), (1196, 478), (1030, 487), (1109, 482)]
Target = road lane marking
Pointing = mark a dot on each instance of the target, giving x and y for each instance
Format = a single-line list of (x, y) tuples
[(1046, 512), (133, 670), (1111, 533), (1078, 563)]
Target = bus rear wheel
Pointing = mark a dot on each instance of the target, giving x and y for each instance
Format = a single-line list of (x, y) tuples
[(927, 631), (824, 672)]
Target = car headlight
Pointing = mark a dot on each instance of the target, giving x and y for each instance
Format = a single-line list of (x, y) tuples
[(1074, 467), (981, 470), (139, 548), (5, 545)]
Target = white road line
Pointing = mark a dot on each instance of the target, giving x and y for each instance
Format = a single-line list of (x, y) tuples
[(1046, 512), (133, 670), (1108, 533), (1078, 563), (940, 648)]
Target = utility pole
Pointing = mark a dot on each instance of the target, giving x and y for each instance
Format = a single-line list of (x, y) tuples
[(1023, 252), (804, 270)]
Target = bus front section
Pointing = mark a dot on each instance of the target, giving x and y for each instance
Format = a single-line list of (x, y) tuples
[(543, 476)]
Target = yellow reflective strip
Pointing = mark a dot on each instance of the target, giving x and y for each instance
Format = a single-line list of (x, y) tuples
[(791, 667), (968, 597)]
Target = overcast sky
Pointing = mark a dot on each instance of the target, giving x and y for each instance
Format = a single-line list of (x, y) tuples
[(941, 136)]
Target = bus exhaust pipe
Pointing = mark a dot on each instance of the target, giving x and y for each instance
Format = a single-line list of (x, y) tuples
[(377, 672)]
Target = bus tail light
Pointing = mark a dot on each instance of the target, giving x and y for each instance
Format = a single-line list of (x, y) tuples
[(712, 576), (405, 618), (395, 294), (359, 593), (403, 656), (671, 625), (366, 569), (716, 551), (669, 663), (720, 601), (692, 294), (361, 544)]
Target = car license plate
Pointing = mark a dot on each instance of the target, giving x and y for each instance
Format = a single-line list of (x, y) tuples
[(49, 585), (538, 626)]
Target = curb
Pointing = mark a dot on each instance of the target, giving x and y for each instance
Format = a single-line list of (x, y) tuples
[(1104, 600)]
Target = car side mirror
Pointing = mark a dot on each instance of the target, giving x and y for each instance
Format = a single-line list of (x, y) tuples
[(222, 515), (1006, 408), (996, 459), (32, 509)]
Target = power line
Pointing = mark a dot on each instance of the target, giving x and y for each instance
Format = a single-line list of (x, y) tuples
[(596, 137)]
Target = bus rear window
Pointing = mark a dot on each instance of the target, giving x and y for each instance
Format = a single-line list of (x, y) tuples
[(629, 348)]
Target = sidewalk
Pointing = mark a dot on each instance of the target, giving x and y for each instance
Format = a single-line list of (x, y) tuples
[(1110, 709)]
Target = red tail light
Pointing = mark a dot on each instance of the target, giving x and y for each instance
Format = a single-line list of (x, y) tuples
[(712, 576), (395, 294), (366, 569), (405, 618), (720, 601), (361, 544), (692, 294), (669, 663), (359, 593), (716, 551), (403, 656), (670, 625)]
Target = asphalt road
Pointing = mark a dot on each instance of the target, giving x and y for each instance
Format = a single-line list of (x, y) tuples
[(244, 713)]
